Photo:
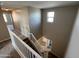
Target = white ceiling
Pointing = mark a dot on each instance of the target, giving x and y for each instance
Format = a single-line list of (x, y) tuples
[(37, 4)]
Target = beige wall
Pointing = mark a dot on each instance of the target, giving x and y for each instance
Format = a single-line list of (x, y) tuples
[(73, 47), (4, 35), (28, 19), (59, 31), (21, 20), (16, 18)]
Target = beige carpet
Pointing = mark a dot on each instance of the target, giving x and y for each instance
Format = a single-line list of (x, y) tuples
[(7, 50)]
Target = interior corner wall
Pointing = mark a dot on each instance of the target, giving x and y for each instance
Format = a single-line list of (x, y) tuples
[(4, 35), (59, 31), (35, 22), (16, 20), (21, 20), (73, 48), (28, 18)]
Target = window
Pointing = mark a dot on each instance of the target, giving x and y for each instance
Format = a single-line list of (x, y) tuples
[(50, 17), (5, 19)]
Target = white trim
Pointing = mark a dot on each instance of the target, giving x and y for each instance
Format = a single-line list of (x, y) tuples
[(29, 48), (18, 50), (37, 43)]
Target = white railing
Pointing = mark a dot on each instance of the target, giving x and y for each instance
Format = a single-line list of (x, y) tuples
[(34, 41), (22, 48), (38, 46)]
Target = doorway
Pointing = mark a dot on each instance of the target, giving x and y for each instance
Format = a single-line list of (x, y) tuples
[(9, 20)]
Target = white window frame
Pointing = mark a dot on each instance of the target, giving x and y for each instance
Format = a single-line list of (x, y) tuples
[(50, 17)]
